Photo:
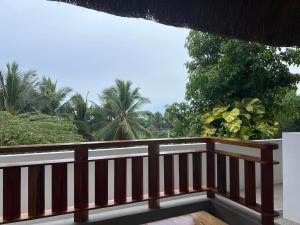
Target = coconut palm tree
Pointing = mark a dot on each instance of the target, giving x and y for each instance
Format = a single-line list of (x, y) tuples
[(18, 89), (51, 98), (123, 118), (77, 110)]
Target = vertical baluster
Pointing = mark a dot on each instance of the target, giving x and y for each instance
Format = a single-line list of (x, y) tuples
[(120, 181), (81, 181), (267, 188), (197, 171), (11, 193), (36, 190), (101, 182), (210, 156), (153, 168), (137, 179), (250, 188), (221, 174), (183, 173), (234, 189), (59, 188), (169, 174)]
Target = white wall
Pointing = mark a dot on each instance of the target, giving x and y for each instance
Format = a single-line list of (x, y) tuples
[(291, 178), (70, 154)]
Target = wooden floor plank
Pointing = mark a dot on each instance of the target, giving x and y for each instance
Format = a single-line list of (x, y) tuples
[(199, 218)]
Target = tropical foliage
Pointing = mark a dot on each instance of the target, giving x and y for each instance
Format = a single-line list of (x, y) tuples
[(158, 124), (290, 123), (235, 89), (36, 128), (123, 118), (77, 110), (118, 117), (51, 98), (17, 90), (179, 115), (246, 119), (223, 71)]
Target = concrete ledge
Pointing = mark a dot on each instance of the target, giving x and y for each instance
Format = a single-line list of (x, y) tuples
[(221, 208)]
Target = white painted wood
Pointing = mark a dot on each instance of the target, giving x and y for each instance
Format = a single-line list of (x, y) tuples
[(291, 177)]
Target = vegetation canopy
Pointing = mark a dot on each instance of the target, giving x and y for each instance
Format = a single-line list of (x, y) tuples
[(36, 128), (121, 105), (246, 119)]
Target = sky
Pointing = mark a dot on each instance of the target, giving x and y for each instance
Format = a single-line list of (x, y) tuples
[(88, 50)]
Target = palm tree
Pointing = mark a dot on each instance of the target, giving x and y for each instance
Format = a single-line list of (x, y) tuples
[(77, 108), (51, 97), (121, 105), (17, 89)]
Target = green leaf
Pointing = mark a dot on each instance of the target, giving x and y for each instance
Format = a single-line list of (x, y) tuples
[(246, 115), (208, 131), (249, 103), (232, 115), (218, 110), (207, 118), (234, 126)]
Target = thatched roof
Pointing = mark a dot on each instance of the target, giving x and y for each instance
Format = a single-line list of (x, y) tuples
[(273, 22)]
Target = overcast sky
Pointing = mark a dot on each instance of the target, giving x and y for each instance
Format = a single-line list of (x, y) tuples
[(87, 50)]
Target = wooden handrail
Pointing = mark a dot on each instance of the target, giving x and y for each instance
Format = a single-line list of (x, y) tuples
[(99, 144), (244, 157), (129, 143), (242, 143)]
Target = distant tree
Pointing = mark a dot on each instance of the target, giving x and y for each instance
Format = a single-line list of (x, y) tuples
[(77, 110), (223, 70), (51, 98), (158, 124), (18, 90), (180, 117), (123, 118), (290, 118), (36, 128)]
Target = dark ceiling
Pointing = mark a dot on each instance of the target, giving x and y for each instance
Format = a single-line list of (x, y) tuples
[(273, 22)]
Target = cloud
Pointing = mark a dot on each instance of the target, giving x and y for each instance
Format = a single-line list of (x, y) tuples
[(88, 50)]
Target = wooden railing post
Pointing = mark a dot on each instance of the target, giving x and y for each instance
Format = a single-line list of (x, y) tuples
[(221, 174), (267, 187), (153, 170), (81, 180), (234, 177), (36, 190), (169, 174), (197, 171), (120, 178), (101, 182), (250, 186), (183, 173), (11, 193), (59, 188), (210, 163), (137, 179)]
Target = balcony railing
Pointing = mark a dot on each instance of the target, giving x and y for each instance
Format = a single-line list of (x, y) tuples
[(216, 167)]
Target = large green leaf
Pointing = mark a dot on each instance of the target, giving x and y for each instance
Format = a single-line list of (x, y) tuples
[(234, 126), (232, 115), (254, 105), (208, 131), (207, 118), (218, 110)]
